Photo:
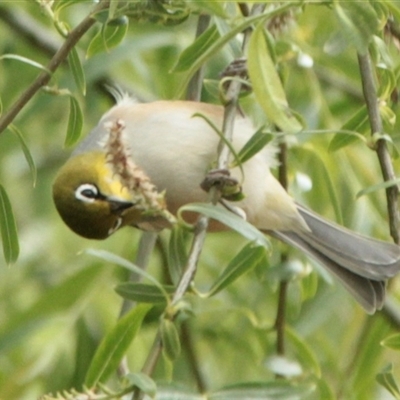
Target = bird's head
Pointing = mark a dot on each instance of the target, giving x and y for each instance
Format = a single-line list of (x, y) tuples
[(91, 199)]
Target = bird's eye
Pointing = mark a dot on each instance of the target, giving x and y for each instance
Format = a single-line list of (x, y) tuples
[(87, 193)]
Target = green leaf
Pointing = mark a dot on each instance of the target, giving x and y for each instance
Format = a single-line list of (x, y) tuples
[(114, 346), (267, 85), (75, 122), (142, 292), (358, 21), (255, 144), (386, 379), (349, 132), (25, 61), (143, 382), (8, 229), (77, 70), (108, 37), (275, 390), (114, 259), (218, 44), (392, 341), (189, 56), (177, 252), (229, 219), (25, 150), (304, 353), (248, 258), (170, 339), (378, 186)]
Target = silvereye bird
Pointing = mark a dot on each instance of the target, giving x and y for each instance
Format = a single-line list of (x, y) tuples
[(176, 149)]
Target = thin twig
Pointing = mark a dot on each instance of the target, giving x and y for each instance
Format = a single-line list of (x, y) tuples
[(371, 99), (280, 321), (44, 77), (145, 249)]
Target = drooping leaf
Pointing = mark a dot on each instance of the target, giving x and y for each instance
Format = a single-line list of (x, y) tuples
[(77, 70), (304, 353), (8, 229), (170, 339), (177, 252), (358, 22), (247, 259), (75, 122), (25, 60), (267, 85), (114, 259), (114, 346), (26, 151)]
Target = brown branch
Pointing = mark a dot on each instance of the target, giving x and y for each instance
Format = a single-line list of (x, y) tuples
[(371, 99), (44, 77)]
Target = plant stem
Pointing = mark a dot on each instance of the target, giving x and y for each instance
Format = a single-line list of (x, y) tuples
[(44, 77), (372, 102)]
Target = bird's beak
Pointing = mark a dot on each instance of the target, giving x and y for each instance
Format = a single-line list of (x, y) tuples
[(118, 205)]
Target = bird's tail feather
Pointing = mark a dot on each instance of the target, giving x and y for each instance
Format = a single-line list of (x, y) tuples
[(360, 263)]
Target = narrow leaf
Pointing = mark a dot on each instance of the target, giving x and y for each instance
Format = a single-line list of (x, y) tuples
[(267, 85), (248, 258), (114, 346), (77, 70), (386, 379), (378, 186), (197, 49), (177, 252), (114, 259), (143, 382), (25, 61), (255, 144), (75, 122), (143, 293), (8, 229), (27, 153), (304, 353), (392, 341), (358, 22), (108, 37), (170, 339), (229, 219)]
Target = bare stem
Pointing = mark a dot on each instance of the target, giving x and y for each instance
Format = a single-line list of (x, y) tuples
[(371, 99), (44, 77), (280, 320)]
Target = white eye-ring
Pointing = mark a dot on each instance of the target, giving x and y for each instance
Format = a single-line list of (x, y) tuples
[(115, 227), (87, 193)]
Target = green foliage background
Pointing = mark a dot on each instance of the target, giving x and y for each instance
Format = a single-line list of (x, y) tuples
[(58, 302)]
